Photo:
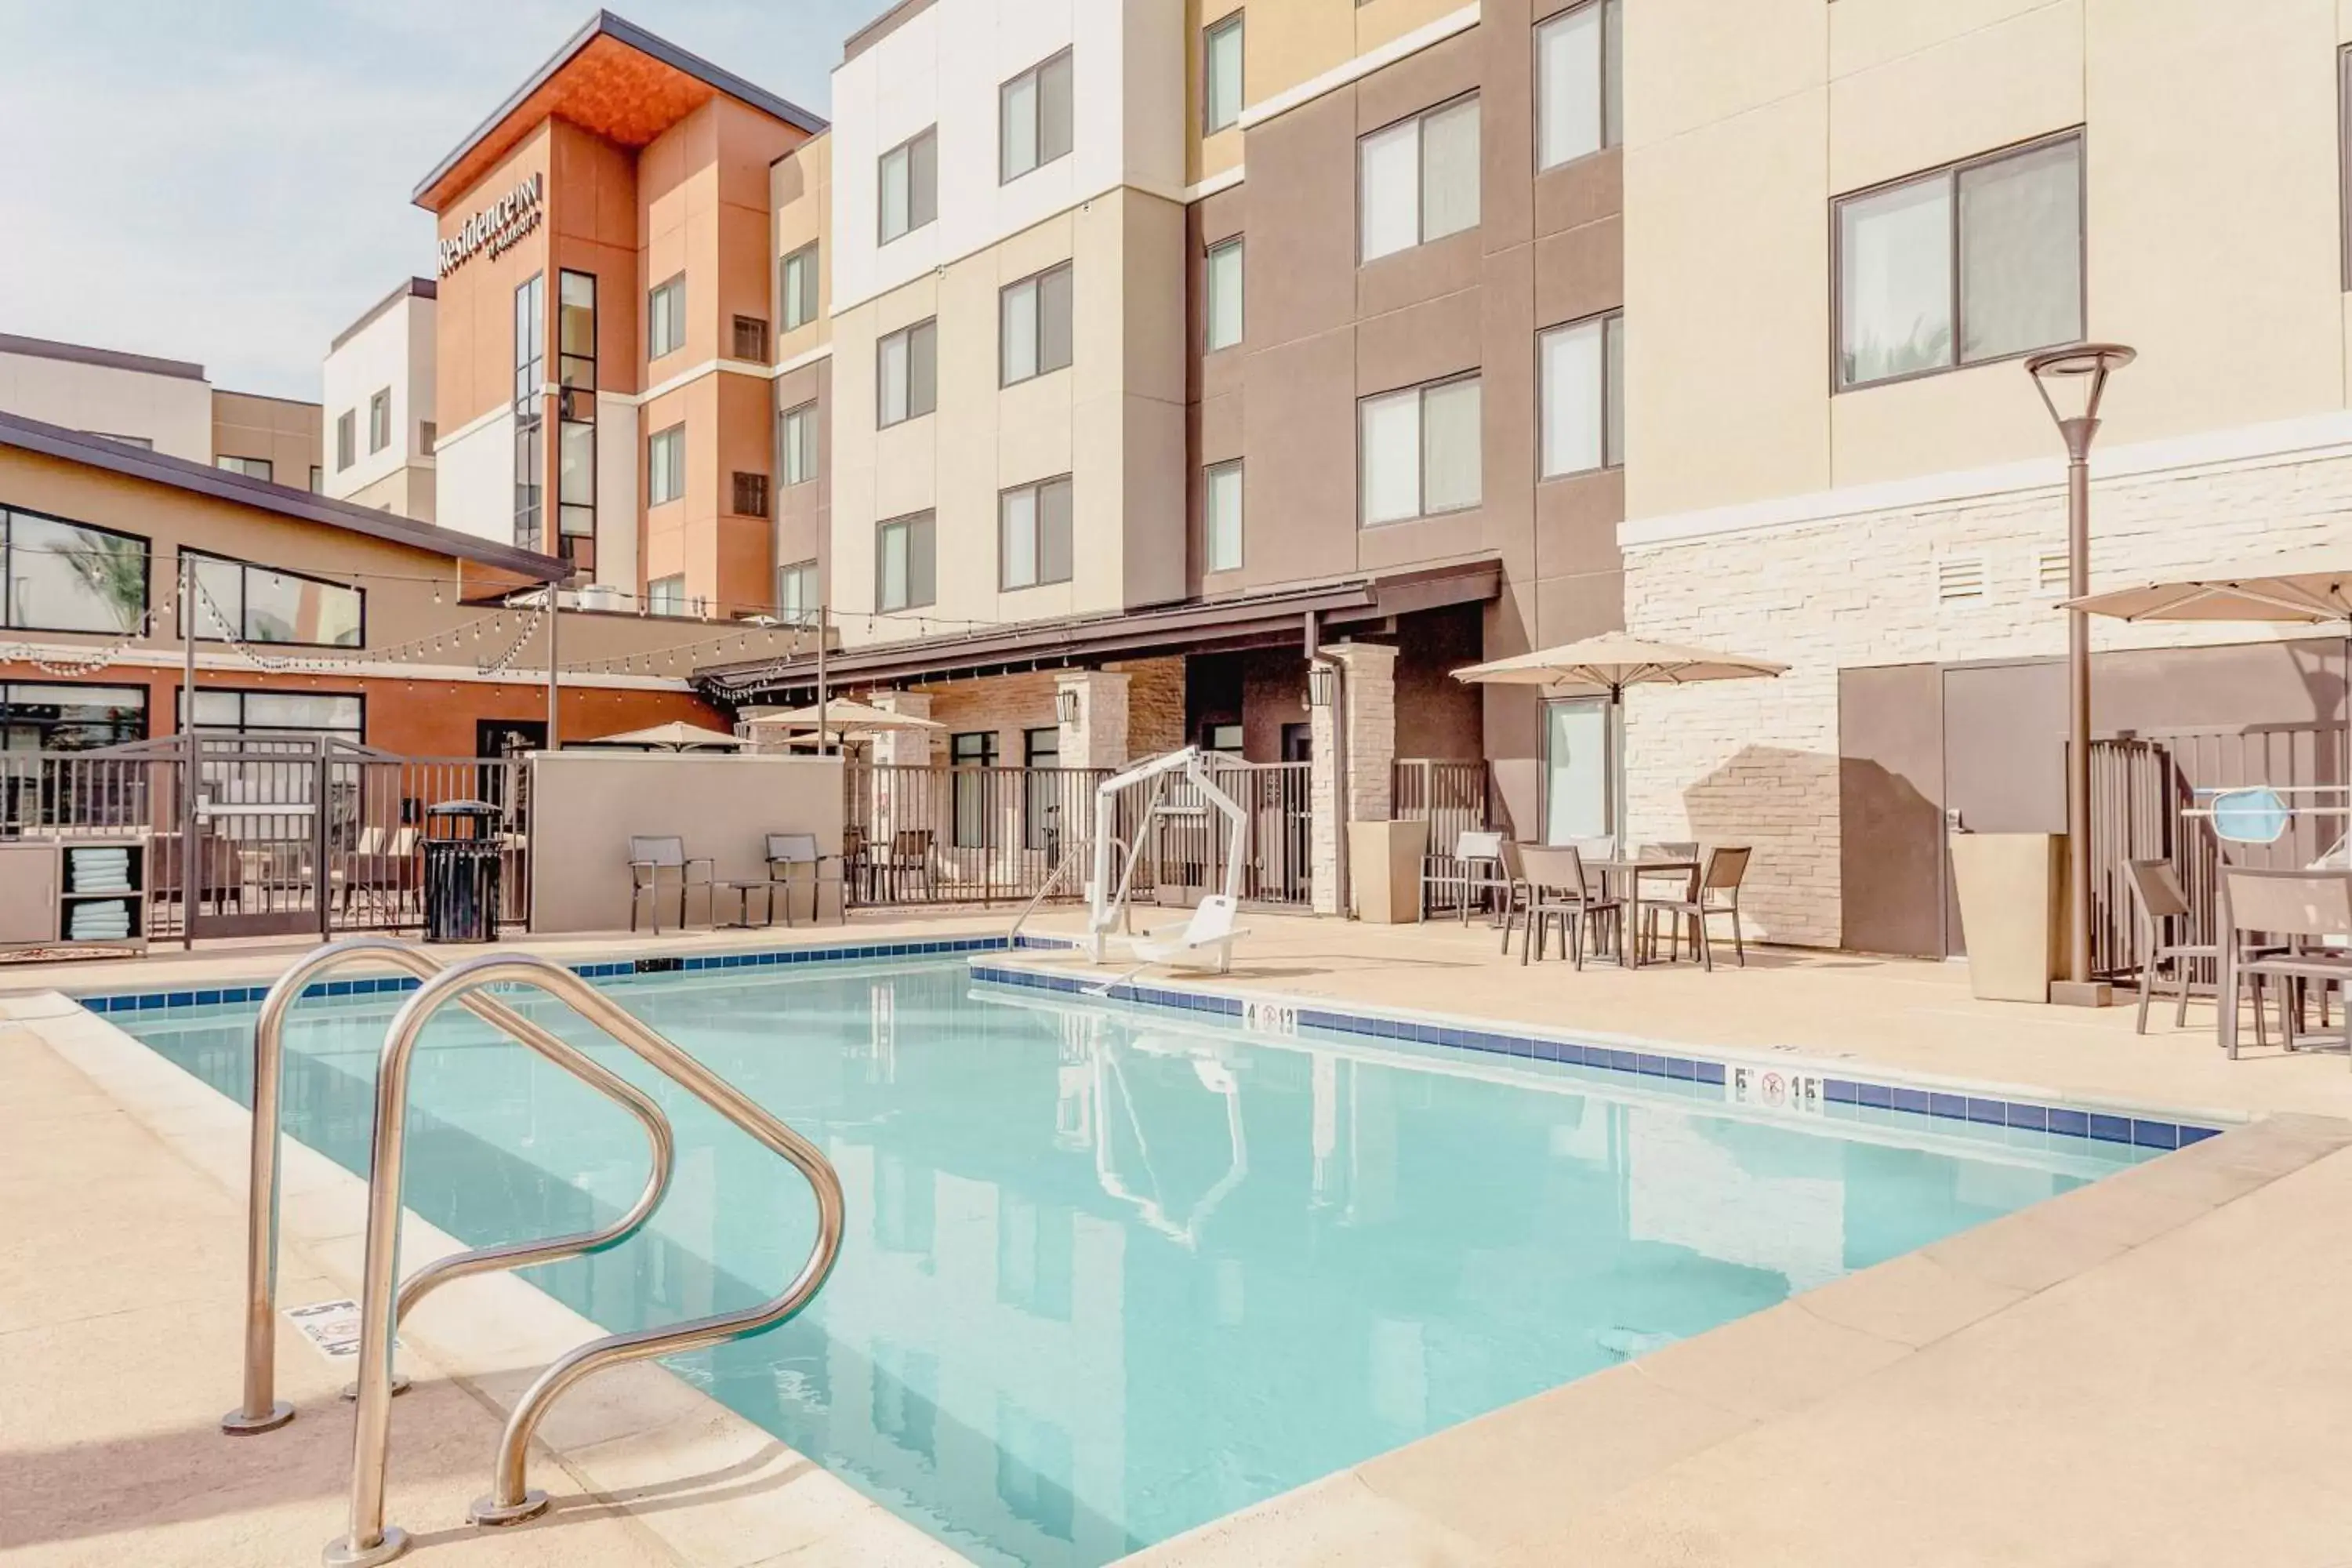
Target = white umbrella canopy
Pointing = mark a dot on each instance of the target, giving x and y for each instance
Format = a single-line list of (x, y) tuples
[(842, 714), (2312, 598), (1612, 662), (676, 736)]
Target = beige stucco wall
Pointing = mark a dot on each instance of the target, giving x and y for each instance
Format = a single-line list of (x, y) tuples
[(589, 802), (1114, 421), (800, 197), (281, 431), (2212, 239)]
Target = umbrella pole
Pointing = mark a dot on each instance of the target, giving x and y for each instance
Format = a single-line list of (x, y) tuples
[(1617, 814)]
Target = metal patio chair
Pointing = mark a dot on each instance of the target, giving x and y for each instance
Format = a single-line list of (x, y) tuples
[(649, 859), (793, 858), (1473, 870), (2309, 915), (1559, 890), (1715, 891)]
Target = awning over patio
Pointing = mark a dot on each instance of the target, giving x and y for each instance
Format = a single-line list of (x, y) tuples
[(1196, 626)]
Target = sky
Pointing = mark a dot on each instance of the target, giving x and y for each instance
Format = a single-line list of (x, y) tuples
[(229, 182)]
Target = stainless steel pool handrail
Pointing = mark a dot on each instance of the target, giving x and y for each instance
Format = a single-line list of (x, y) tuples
[(261, 1410), (369, 1540), (1013, 935)]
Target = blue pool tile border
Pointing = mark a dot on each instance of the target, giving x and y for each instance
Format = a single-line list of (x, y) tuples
[(1846, 1098), (610, 969)]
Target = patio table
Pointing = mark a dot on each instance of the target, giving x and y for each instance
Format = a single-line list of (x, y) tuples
[(1623, 877)]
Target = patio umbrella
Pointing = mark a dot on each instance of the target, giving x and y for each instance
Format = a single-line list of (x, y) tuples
[(1610, 663), (671, 737), (843, 719), (2314, 598)]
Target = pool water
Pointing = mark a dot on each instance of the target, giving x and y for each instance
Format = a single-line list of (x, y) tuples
[(1108, 1275)]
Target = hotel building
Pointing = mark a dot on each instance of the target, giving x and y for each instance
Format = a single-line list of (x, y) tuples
[(163, 405), (378, 384)]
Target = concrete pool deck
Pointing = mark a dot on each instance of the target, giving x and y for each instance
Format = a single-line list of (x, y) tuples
[(2154, 1369)]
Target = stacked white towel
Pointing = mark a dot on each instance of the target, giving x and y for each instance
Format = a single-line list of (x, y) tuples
[(98, 871), (100, 919)]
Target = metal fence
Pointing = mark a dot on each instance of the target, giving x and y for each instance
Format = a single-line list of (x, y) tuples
[(2141, 787), (930, 834), (293, 835), (1451, 797)]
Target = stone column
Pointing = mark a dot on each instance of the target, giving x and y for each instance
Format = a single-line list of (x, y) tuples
[(901, 800), (910, 746), (1367, 710), (1096, 737)]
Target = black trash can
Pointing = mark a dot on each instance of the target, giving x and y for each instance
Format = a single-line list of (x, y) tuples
[(461, 871)]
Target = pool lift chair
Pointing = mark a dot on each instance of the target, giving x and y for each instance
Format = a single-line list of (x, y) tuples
[(1207, 940)]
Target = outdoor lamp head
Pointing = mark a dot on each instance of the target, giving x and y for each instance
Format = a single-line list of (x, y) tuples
[(2076, 377)]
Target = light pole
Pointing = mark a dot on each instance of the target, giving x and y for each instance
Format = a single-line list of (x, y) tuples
[(2076, 379)]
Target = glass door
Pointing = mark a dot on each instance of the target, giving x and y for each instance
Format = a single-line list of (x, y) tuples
[(1578, 773)]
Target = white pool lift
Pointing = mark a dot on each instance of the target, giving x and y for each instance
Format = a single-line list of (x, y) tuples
[(1208, 937)]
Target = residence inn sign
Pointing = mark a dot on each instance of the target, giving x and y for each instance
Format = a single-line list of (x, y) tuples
[(496, 226)]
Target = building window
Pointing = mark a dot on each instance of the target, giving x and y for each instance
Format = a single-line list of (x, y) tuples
[(1226, 740), (1034, 118), (70, 717), (529, 431), (340, 715), (1582, 373), (576, 455), (1580, 70), (968, 755), (318, 479), (1033, 324), (1221, 74), (266, 604), (425, 437), (906, 374), (751, 495), (1420, 451), (800, 444), (1418, 179), (1033, 534), (796, 594), (903, 562), (666, 318), (751, 339), (1978, 261), (1224, 289), (380, 420), (1220, 515), (344, 423), (910, 180), (666, 595), (70, 577), (797, 288), (251, 467), (666, 464)]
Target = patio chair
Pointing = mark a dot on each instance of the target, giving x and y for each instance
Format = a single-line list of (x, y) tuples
[(1716, 892), (385, 870), (1670, 850), (794, 856), (1558, 890), (907, 861), (856, 866), (1516, 895), (649, 859), (1475, 869), (2155, 889), (1205, 941), (2308, 914)]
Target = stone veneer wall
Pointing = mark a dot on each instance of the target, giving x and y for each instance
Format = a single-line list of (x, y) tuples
[(1010, 704), (1756, 762)]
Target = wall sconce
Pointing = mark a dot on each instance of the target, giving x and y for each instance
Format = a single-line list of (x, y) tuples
[(1322, 685), (1066, 704)]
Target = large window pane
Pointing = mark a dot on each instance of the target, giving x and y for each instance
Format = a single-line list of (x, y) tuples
[(1019, 127), (893, 196), (923, 180), (922, 368), (666, 464), (1221, 74), (260, 605), (1053, 531), (1223, 505), (1388, 194), (799, 287), (1020, 332), (220, 598), (800, 445), (1224, 294), (890, 379), (1895, 272), (1613, 390), (1568, 86), (1449, 171), (1450, 447), (1573, 401), (922, 584), (2022, 252), (1020, 538), (1055, 304), (1055, 79), (1390, 441), (68, 579)]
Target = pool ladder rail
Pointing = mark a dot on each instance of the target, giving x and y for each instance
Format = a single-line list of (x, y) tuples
[(384, 1301)]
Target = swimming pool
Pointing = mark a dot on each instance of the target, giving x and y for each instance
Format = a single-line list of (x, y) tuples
[(1112, 1272)]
